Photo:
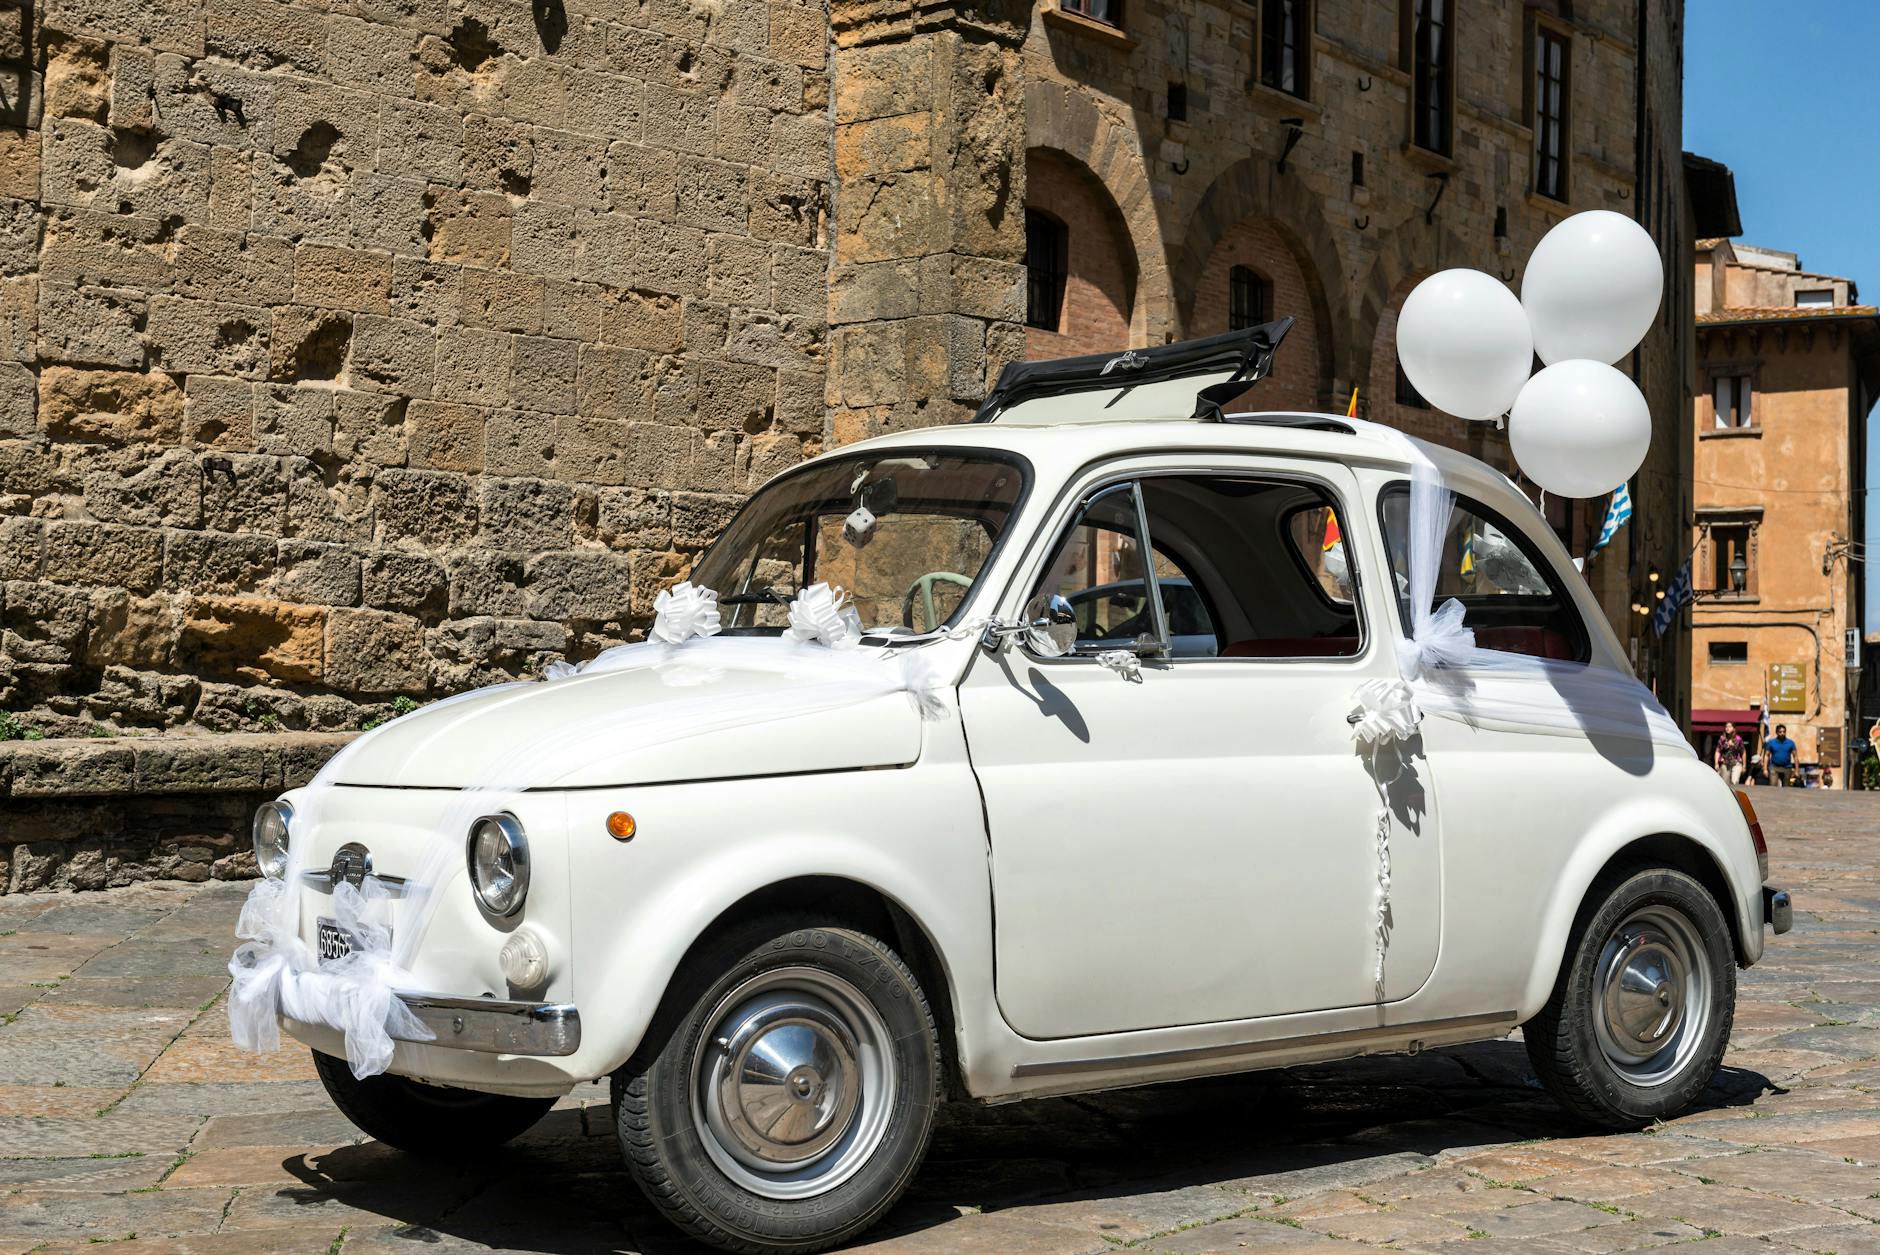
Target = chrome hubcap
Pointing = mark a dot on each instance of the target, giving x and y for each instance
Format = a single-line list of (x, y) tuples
[(792, 1082), (1654, 996)]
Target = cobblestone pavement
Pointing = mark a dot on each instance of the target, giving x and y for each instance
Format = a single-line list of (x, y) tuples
[(127, 1117)]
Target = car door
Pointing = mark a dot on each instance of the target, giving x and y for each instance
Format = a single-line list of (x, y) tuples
[(1198, 841)]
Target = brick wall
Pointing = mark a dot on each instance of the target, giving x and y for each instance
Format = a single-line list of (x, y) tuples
[(1259, 246), (390, 348), (1100, 279)]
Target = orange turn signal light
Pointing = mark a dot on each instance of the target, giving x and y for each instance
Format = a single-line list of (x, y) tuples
[(620, 826)]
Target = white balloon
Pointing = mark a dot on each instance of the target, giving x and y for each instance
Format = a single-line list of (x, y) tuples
[(1463, 340), (1580, 428), (1592, 288)]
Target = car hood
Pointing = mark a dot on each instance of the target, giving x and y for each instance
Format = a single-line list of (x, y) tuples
[(703, 711)]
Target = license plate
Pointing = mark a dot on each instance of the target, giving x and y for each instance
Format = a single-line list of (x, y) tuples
[(335, 942)]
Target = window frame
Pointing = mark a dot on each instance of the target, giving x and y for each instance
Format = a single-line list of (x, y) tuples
[(1268, 76), (1581, 637), (1033, 568), (1058, 275), (1744, 390), (1081, 9), (1299, 559), (1711, 521), (1710, 654), (1542, 33), (1262, 289), (1411, 23)]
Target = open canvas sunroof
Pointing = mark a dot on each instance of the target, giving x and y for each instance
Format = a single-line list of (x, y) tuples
[(1181, 382)]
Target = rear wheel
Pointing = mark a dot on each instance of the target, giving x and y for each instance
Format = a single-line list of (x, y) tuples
[(785, 1096), (1641, 1012), (425, 1119)]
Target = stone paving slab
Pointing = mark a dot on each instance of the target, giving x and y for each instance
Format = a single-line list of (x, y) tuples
[(126, 1110)]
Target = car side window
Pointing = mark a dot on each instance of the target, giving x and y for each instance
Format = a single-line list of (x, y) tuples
[(1229, 563), (1509, 597)]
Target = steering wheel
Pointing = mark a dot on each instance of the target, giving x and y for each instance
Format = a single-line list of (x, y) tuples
[(923, 588)]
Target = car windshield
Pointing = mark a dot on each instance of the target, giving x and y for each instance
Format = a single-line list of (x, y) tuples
[(905, 536)]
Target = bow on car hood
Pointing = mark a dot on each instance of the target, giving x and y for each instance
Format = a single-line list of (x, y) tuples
[(704, 711)]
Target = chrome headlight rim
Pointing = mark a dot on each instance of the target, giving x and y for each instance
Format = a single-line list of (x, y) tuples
[(516, 846), (272, 852)]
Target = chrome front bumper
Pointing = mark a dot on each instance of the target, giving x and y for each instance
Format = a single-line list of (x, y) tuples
[(494, 1026), (1776, 909)]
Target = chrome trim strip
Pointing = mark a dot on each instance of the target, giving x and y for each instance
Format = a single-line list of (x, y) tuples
[(394, 886), (495, 1026), (1201, 1054)]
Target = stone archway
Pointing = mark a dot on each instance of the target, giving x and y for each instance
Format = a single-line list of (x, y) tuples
[(1250, 189), (1076, 129)]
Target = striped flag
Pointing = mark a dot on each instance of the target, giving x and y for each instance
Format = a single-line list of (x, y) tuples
[(1617, 513), (1678, 594)]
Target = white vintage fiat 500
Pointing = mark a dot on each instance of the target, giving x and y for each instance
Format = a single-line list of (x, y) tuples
[(1108, 740)]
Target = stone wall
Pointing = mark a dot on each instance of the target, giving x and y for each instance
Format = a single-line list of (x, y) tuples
[(92, 814), (379, 349)]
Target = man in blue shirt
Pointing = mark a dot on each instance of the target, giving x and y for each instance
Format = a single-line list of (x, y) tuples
[(1780, 751)]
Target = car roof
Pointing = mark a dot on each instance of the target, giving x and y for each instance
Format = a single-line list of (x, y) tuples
[(1060, 448)]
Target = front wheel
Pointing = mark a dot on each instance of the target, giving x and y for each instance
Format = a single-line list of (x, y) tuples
[(785, 1095), (425, 1119), (1641, 1012)]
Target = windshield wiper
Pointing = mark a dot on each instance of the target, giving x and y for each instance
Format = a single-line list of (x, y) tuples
[(769, 595)]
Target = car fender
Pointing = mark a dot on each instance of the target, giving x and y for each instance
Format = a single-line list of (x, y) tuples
[(1633, 819), (628, 956)]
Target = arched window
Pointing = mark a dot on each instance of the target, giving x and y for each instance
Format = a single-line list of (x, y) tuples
[(1249, 299), (1047, 253)]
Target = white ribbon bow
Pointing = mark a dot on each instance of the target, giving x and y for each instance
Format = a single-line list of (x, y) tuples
[(683, 611), (1124, 662), (823, 614), (1441, 641), (1389, 712)]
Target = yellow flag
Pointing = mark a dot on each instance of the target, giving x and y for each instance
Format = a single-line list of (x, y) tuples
[(1351, 411)]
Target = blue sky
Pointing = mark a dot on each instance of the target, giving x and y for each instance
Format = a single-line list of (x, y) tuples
[(1784, 95)]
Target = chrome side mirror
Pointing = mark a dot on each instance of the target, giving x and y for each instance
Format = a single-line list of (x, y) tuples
[(1049, 627)]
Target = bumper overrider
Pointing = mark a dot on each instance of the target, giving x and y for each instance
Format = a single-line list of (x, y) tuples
[(1777, 911), (494, 1026)]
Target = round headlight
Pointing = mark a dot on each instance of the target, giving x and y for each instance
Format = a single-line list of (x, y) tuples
[(499, 863), (271, 825)]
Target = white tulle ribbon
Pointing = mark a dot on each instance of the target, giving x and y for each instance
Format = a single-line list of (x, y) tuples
[(1387, 712), (1124, 662), (683, 611), (823, 615), (1441, 641)]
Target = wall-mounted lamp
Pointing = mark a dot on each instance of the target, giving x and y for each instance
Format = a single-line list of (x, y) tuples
[(1739, 573)]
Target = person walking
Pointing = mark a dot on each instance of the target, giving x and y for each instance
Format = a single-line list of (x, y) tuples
[(1728, 757), (1779, 752)]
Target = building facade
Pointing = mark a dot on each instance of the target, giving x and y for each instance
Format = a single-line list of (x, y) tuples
[(351, 354), (1789, 362)]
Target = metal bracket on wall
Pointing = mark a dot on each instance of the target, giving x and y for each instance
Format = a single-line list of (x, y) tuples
[(1179, 167), (1442, 185), (1361, 223), (1364, 82), (1295, 131)]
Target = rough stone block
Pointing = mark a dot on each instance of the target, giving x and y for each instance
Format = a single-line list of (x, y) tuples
[(93, 326), (699, 518), (81, 247), (570, 168), (468, 228), (786, 341), (526, 514), (22, 548), (309, 571), (484, 582), (208, 101), (370, 427), (232, 266), (499, 154), (393, 355), (800, 281), (799, 33), (43, 622), (388, 212), (263, 35), (610, 103), (394, 580), (129, 631), (72, 769), (632, 518), (642, 181), (253, 637), (309, 344), (503, 300), (473, 367), (19, 401), (216, 562), (165, 492), (77, 80), (422, 141), (374, 651), (425, 291), (111, 405), (374, 55), (575, 311), (790, 209), (645, 320), (739, 270), (342, 278), (544, 374), (520, 442), (430, 508), (591, 450), (592, 587), (736, 397), (325, 502), (671, 258), (446, 436), (177, 765), (210, 337), (613, 383), (250, 496), (95, 553), (294, 421), (219, 413)]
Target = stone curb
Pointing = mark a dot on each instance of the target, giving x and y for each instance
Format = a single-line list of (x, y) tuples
[(236, 763)]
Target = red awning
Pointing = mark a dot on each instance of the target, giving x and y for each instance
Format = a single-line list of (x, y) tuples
[(1703, 720)]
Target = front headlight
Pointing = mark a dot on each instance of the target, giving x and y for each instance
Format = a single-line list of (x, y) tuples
[(499, 863), (271, 833)]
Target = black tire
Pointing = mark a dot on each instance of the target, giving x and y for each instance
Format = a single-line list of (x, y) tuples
[(686, 1168), (430, 1120), (1585, 1057)]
